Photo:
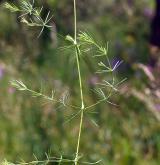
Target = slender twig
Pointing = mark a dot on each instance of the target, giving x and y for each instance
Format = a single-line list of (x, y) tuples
[(77, 52)]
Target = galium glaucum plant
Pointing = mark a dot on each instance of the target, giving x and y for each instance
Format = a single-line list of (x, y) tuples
[(30, 15), (81, 42)]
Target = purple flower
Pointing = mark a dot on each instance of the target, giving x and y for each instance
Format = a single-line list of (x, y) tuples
[(157, 106), (1, 71), (11, 90), (116, 62), (148, 12)]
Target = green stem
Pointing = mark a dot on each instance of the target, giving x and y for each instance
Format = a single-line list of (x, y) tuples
[(77, 51), (82, 108), (75, 22)]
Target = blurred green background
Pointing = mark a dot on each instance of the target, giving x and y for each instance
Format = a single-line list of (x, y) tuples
[(126, 134)]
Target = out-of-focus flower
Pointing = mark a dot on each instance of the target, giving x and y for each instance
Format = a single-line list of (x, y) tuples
[(93, 80), (147, 70), (157, 106), (148, 13), (11, 90), (2, 71)]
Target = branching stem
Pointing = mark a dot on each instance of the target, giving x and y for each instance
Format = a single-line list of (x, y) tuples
[(77, 52)]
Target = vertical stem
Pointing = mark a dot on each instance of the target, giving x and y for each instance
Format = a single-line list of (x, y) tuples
[(77, 51), (82, 109), (75, 23)]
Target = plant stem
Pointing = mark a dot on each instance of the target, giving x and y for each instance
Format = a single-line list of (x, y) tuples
[(77, 51), (82, 108), (75, 23)]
